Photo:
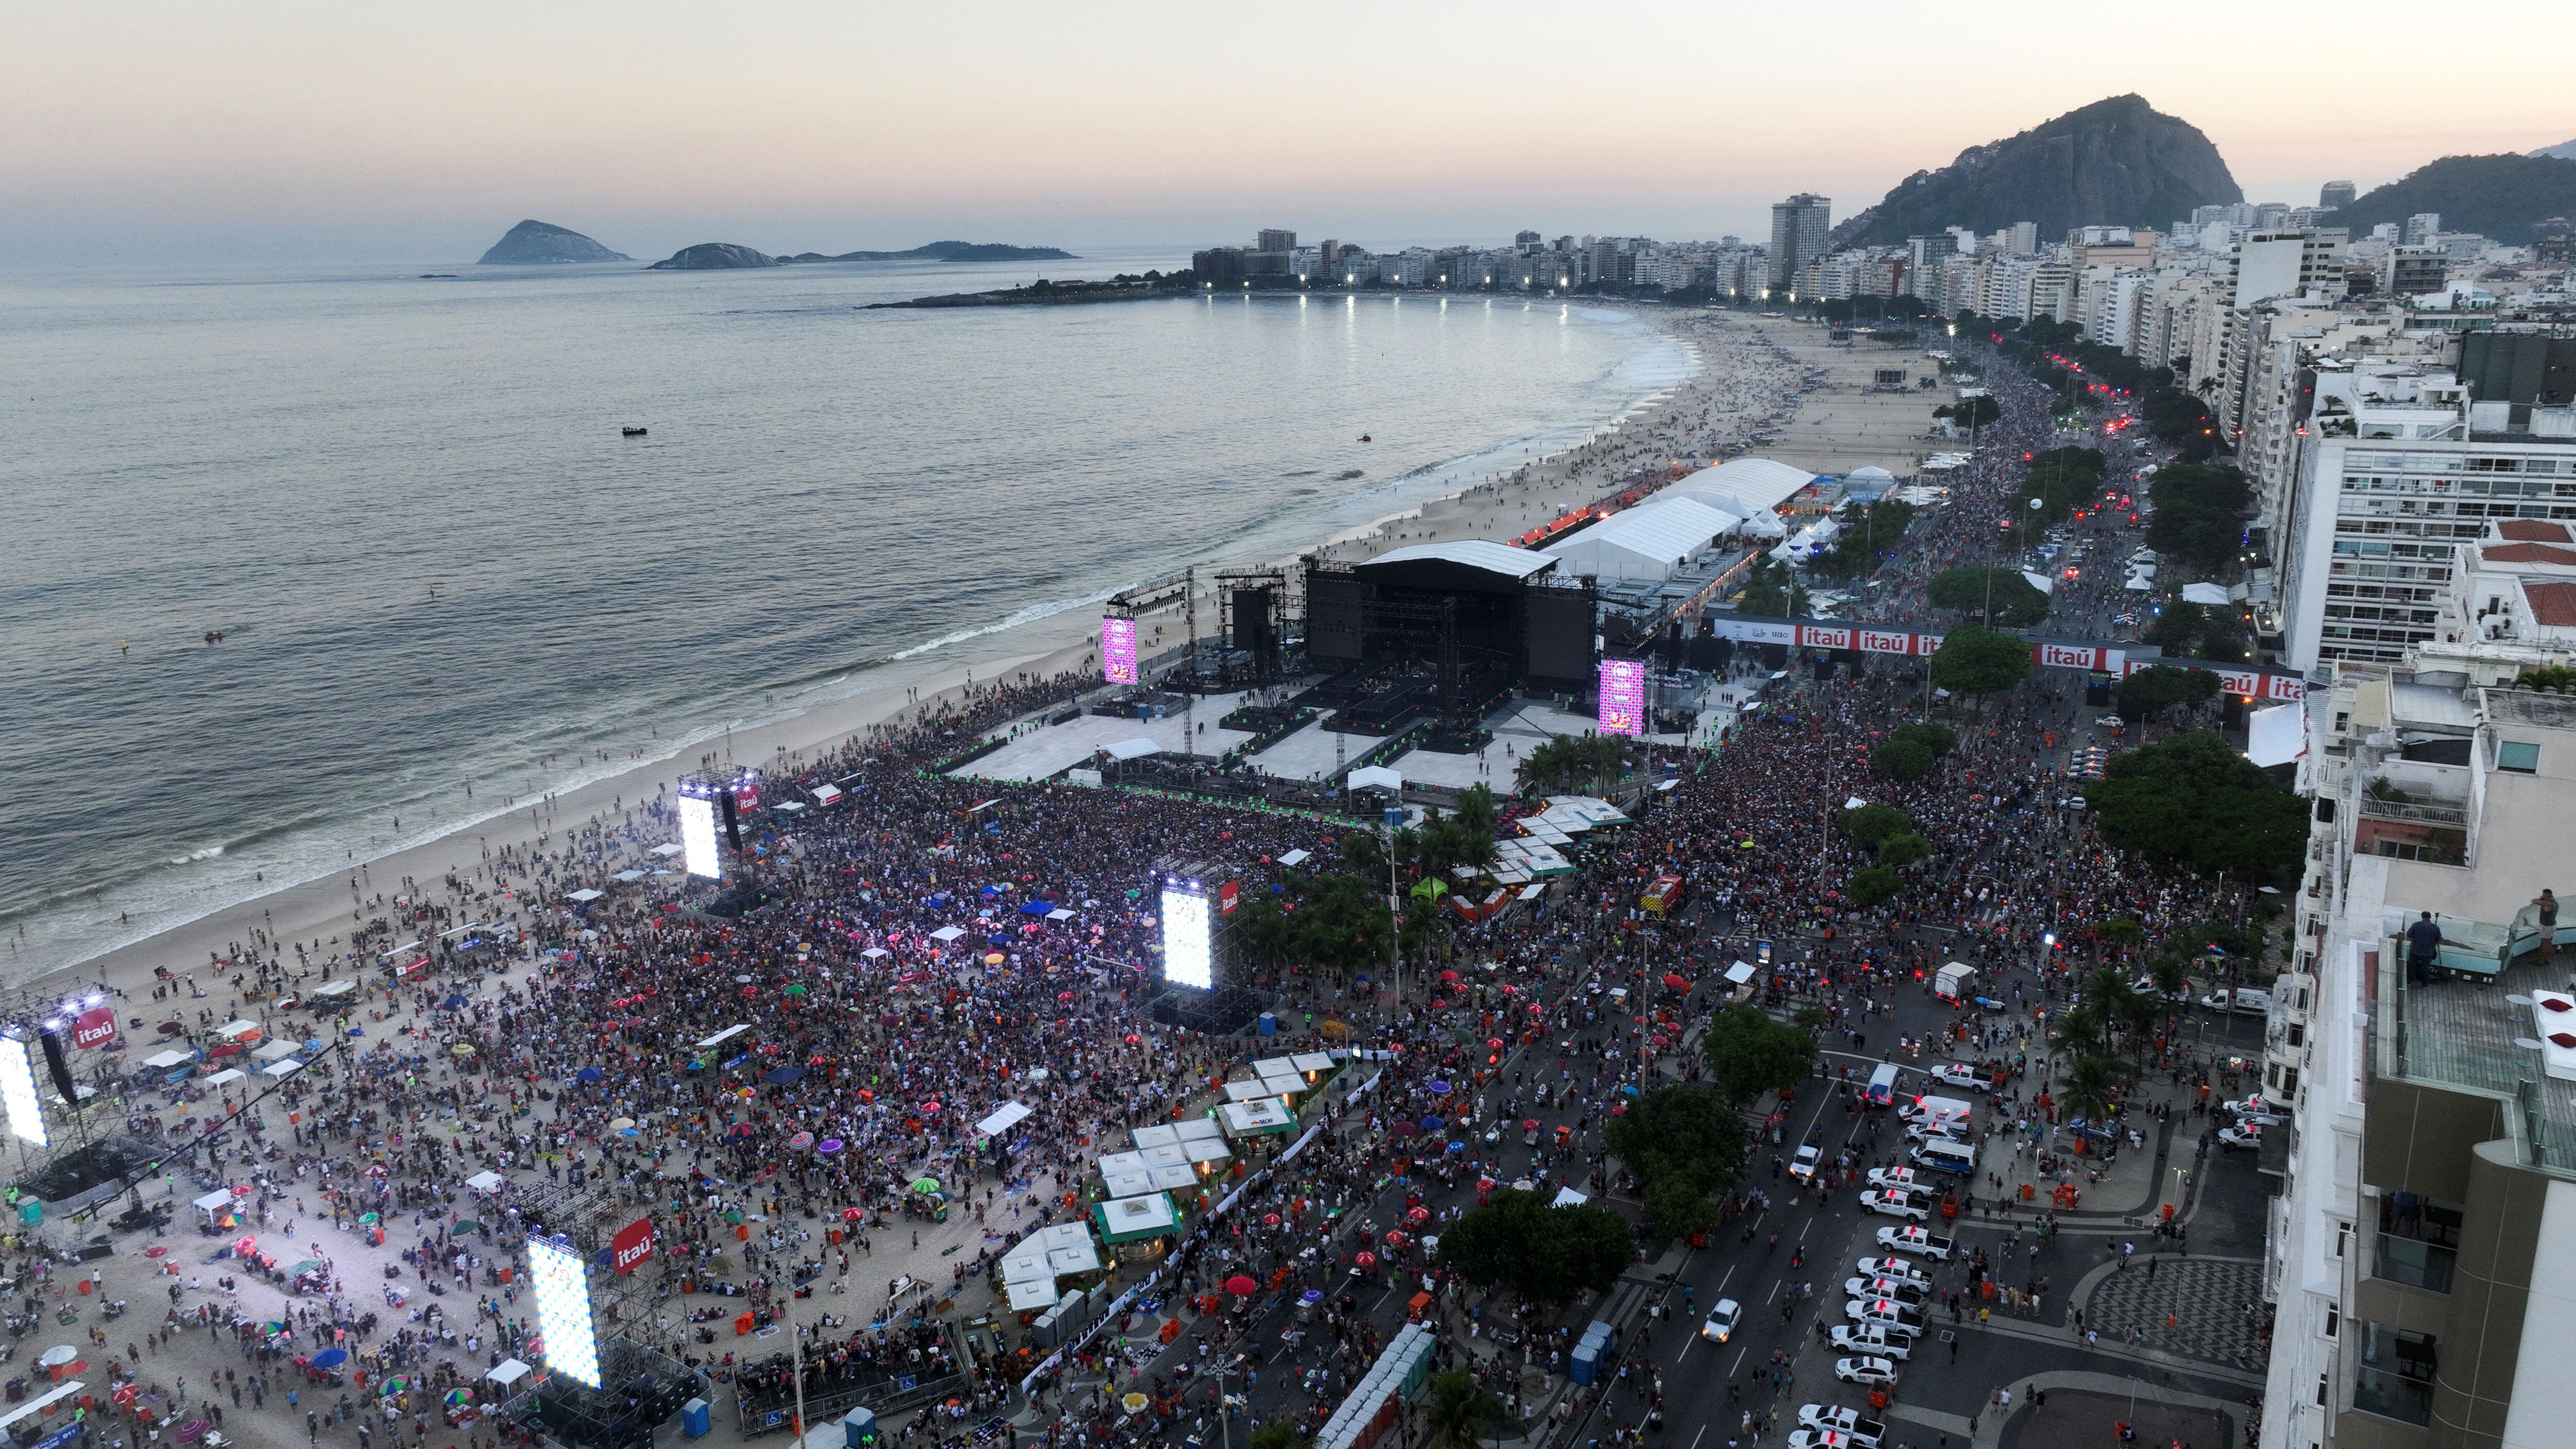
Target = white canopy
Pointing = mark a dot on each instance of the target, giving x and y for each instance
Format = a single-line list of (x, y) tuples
[(1004, 1117), (876, 953), (214, 1201), (508, 1371), (276, 1051), (1740, 973), (668, 847), (484, 1182), (827, 794), (329, 989), (2206, 594), (947, 933), (1295, 857), (1059, 914), (2039, 581), (288, 1067), (1133, 749), (236, 1030), (726, 1035), (167, 1060), (1376, 777), (628, 876), (227, 1077), (585, 894)]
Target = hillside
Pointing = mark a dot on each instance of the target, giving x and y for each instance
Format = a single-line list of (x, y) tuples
[(2564, 151), (2497, 196), (2118, 162)]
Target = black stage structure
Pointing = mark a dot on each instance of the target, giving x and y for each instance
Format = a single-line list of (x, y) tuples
[(1225, 1007), (1444, 632)]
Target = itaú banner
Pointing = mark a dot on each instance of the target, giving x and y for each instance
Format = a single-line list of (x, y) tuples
[(2093, 656)]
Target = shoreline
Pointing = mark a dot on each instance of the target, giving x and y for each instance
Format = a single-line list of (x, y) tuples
[(1721, 393)]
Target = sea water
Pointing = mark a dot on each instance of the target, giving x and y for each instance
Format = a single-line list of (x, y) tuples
[(436, 563)]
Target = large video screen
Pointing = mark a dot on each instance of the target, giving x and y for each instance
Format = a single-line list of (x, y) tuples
[(18, 1092), (1188, 950), (698, 836), (1623, 697), (563, 1310), (1118, 650)]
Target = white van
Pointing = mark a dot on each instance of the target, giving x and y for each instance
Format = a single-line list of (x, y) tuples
[(1940, 1154), (1882, 1084)]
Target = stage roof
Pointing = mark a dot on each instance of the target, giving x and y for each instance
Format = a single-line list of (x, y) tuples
[(1492, 558)]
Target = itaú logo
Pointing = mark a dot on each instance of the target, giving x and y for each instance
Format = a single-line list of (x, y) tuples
[(94, 1027), (632, 1245)]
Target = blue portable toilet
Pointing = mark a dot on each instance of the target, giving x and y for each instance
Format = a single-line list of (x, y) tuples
[(859, 1429), (693, 1419), (1269, 1024), (1585, 1363)]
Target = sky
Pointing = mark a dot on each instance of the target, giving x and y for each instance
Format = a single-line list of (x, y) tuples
[(281, 130)]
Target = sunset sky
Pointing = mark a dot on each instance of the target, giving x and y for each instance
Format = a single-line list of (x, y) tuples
[(330, 131)]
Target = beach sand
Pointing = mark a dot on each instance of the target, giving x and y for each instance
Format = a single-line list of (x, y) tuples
[(1748, 366)]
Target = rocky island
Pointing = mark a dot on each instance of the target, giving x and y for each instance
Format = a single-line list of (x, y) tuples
[(732, 254), (543, 243), (707, 256)]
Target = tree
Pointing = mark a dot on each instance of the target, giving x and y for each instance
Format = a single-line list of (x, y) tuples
[(1769, 590), (2200, 512), (1566, 763), (1976, 411), (1979, 662), (1869, 532), (2159, 687), (1899, 851), (1684, 1144), (1870, 824), (1750, 1054), (1873, 884), (2090, 1088), (1546, 1254), (1989, 595), (2193, 798), (1902, 760), (1459, 1412), (1939, 739)]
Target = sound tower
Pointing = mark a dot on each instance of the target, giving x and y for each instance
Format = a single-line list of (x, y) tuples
[(59, 1067), (1252, 623)]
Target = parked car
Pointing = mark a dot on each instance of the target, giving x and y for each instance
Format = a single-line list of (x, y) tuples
[(2244, 1105), (2247, 1137), (1900, 1177), (1889, 1314), (1865, 1432), (1908, 1291), (1821, 1439), (2110, 722), (1895, 1204), (1865, 1370), (1722, 1319), (1893, 1268), (1872, 1339)]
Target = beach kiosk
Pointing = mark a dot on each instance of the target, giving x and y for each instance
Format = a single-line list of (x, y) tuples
[(1137, 1223), (1245, 1121)]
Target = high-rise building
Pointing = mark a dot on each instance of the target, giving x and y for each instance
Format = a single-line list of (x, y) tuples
[(2422, 227), (1272, 239), (1525, 242), (2270, 264), (2336, 194), (1799, 227)]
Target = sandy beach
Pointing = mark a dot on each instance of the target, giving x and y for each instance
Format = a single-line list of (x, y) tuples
[(1748, 368)]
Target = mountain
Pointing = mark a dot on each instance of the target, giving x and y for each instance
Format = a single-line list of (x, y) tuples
[(2499, 196), (708, 256), (536, 242), (2118, 162), (2563, 151), (958, 251)]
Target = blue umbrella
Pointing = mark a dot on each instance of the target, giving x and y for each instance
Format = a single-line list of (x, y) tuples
[(455, 1003), (588, 1074), (1432, 1124), (781, 1076), (330, 1358)]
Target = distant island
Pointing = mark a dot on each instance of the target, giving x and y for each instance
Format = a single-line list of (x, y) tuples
[(532, 243), (1125, 287), (706, 255)]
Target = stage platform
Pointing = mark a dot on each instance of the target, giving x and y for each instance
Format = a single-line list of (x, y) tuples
[(1309, 754), (1516, 731), (1045, 750)]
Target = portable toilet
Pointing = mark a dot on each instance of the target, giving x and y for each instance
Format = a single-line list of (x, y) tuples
[(693, 1419), (859, 1429)]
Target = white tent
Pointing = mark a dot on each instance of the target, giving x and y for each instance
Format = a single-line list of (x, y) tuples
[(947, 933), (1647, 542), (2041, 582), (1136, 748), (584, 895), (227, 1077), (2206, 594), (826, 794), (1743, 486), (508, 1371), (1376, 777), (484, 1182), (1004, 1117)]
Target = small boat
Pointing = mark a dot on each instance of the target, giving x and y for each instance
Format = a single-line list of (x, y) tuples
[(1364, 437), (633, 432)]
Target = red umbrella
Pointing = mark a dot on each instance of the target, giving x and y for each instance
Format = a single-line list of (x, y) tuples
[(1448, 975), (1270, 1220), (1494, 1043), (1395, 1237), (1366, 1260), (1678, 983), (1241, 1286), (1530, 1125), (1418, 1213)]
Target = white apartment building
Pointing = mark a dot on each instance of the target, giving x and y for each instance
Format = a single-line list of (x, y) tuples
[(2391, 480)]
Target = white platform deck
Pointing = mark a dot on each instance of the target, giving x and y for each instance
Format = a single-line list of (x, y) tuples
[(1049, 748), (1514, 736), (1309, 754)]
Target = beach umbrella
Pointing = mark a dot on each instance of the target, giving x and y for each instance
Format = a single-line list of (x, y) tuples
[(1241, 1286), (620, 1123), (366, 1219), (851, 1215), (330, 1358), (801, 1141), (796, 990), (589, 1074), (155, 1251), (1404, 1127), (1493, 1043), (1395, 1237), (740, 1131), (60, 1353), (1676, 982), (1448, 975), (1437, 1089), (1432, 1124), (1366, 1260), (459, 1396), (1529, 1124), (1270, 1220), (828, 1146), (1418, 1213), (925, 1184)]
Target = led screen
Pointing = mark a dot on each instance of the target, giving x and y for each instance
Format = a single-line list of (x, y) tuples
[(563, 1310), (1185, 938), (18, 1087), (1118, 650), (1623, 697), (698, 837)]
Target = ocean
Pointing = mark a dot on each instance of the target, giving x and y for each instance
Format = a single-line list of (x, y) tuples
[(436, 564)]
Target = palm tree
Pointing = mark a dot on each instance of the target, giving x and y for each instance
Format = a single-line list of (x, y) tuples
[(2089, 1088), (2078, 1030), (2107, 991), (1458, 1411)]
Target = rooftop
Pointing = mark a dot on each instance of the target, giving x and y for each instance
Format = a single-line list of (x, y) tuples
[(2479, 1036)]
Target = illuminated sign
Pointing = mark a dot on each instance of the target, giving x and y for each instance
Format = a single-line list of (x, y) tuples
[(94, 1027), (18, 1093), (1187, 946), (1118, 650), (563, 1310), (632, 1245), (1623, 697), (698, 835)]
